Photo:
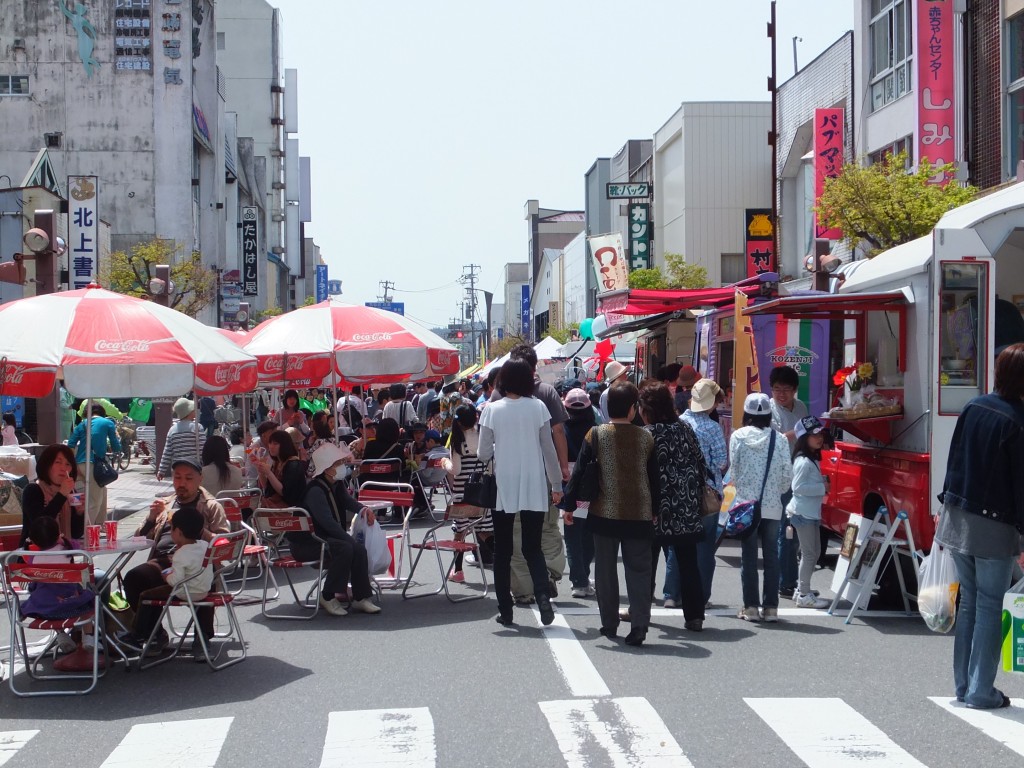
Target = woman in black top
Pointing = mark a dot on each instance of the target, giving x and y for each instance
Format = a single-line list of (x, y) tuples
[(49, 495), (283, 479)]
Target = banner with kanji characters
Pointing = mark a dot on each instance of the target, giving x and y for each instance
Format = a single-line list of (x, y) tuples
[(760, 242), (83, 230), (640, 235), (745, 377), (936, 83), (250, 251), (828, 160), (609, 262)]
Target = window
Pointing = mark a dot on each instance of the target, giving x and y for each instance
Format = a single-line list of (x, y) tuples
[(220, 41), (734, 268), (1015, 88), (963, 298), (891, 39), (906, 144), (14, 85)]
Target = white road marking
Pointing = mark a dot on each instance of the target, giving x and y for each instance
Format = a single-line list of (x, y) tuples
[(829, 733), (624, 733), (12, 741), (572, 661), (175, 744), (575, 610), (1005, 726), (374, 738)]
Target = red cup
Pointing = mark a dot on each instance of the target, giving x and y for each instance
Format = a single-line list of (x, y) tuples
[(111, 529), (92, 537)]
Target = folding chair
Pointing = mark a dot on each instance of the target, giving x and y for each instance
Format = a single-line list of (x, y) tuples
[(383, 497), (78, 571), (222, 555), (254, 552), (433, 478), (431, 542), (379, 470), (271, 526)]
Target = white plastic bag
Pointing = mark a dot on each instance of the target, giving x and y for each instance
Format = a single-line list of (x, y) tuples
[(937, 589), (376, 542)]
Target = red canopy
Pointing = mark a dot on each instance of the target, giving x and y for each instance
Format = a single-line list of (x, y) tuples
[(649, 302)]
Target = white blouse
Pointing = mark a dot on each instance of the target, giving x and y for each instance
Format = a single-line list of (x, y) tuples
[(517, 433)]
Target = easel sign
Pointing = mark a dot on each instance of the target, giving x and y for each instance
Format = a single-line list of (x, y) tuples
[(857, 532)]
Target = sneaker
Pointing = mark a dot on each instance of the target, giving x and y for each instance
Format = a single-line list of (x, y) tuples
[(470, 559), (669, 603), (547, 613), (749, 614), (810, 600), (624, 615), (786, 592), (332, 606), (579, 592), (458, 577), (696, 625), (64, 643), (770, 615), (796, 595), (591, 592), (366, 605)]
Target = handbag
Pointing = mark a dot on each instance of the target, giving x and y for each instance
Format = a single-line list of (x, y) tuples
[(103, 472), (481, 489), (711, 501), (743, 517)]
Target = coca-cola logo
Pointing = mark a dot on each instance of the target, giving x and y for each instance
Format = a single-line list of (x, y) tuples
[(122, 345), (39, 574), (444, 358), (227, 374), (276, 364), (13, 374), (371, 337)]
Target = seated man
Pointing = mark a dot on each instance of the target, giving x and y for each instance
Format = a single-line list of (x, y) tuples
[(434, 453), (186, 476)]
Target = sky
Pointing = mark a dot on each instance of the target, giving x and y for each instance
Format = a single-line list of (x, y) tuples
[(430, 124)]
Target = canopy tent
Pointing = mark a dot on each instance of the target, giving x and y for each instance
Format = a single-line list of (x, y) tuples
[(546, 349)]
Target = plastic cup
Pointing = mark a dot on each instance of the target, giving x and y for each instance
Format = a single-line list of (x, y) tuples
[(76, 499), (111, 529), (92, 536)]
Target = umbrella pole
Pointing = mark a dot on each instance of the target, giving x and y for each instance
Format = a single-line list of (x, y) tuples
[(88, 456), (337, 413)]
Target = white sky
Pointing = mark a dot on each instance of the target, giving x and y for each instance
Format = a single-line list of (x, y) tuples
[(430, 124)]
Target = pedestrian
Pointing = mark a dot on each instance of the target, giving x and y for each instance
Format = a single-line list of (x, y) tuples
[(804, 508), (761, 469), (981, 517), (787, 411), (104, 437), (613, 371), (422, 406), (622, 515), (465, 443), (208, 415), (219, 474), (185, 438), (685, 381), (10, 430), (579, 541), (516, 432)]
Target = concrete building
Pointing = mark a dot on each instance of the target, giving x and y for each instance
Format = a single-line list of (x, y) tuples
[(547, 228), (516, 300), (711, 163)]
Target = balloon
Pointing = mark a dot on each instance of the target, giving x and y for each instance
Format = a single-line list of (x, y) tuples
[(586, 331), (604, 350), (599, 326)]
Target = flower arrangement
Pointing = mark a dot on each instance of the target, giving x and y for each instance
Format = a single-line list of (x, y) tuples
[(855, 376)]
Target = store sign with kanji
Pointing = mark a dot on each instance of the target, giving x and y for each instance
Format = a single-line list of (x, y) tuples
[(640, 236), (760, 242), (83, 229), (250, 251), (828, 160), (936, 76)]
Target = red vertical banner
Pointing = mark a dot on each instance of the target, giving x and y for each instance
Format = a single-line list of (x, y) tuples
[(828, 160), (760, 245), (936, 82)]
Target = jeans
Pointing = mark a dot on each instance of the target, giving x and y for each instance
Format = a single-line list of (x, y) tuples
[(671, 588), (579, 549), (767, 536), (531, 523), (810, 548), (706, 554), (976, 647), (685, 576), (788, 549)]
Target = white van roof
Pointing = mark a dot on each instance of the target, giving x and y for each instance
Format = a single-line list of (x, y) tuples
[(888, 267)]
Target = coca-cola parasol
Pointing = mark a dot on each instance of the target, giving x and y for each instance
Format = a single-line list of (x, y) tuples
[(365, 343), (107, 344)]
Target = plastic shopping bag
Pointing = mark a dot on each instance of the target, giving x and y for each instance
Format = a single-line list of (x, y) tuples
[(938, 586), (1013, 629), (376, 542)]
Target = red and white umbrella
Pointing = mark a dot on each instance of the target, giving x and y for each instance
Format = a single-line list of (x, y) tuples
[(107, 344), (365, 344)]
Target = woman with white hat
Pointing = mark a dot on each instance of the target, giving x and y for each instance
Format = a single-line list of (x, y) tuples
[(182, 440), (613, 372)]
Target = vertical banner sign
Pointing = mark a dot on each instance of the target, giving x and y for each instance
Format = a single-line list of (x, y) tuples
[(640, 235), (760, 245), (321, 283), (83, 230), (250, 251), (828, 160), (744, 371), (609, 262), (936, 82), (524, 312)]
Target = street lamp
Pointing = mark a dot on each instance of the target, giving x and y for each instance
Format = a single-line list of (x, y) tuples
[(821, 263)]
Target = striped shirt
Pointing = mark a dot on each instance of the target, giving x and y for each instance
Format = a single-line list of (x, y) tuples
[(712, 445), (181, 444)]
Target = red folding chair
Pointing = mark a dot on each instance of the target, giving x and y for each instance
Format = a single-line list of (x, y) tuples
[(222, 555), (381, 498), (20, 574), (271, 526), (255, 552), (432, 479), (431, 543)]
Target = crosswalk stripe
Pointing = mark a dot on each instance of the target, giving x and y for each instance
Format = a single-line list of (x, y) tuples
[(829, 733), (12, 741), (572, 660), (992, 722), (624, 733), (375, 738), (569, 609), (174, 744)]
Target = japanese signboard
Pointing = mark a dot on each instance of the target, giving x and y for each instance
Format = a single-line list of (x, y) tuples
[(133, 44), (398, 307), (936, 83), (83, 230), (321, 283), (828, 160), (334, 287), (170, 44), (524, 312), (639, 236), (250, 250), (760, 243), (609, 262), (620, 191)]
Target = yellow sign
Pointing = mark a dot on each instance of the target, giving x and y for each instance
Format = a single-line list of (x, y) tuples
[(760, 225), (745, 375)]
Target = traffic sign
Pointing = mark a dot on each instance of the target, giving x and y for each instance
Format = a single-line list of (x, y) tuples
[(398, 307)]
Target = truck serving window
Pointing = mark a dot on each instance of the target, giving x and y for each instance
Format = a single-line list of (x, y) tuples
[(963, 313)]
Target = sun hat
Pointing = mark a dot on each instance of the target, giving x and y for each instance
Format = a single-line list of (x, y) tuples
[(703, 394), (757, 404), (808, 425), (296, 436), (688, 376), (191, 461), (613, 371), (183, 407), (576, 399), (325, 457)]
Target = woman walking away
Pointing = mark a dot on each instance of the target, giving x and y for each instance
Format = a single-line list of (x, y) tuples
[(579, 541), (681, 474), (622, 516), (761, 469), (982, 513), (804, 509), (516, 432)]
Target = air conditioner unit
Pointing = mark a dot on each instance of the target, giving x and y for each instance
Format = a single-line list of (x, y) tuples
[(19, 44), (53, 140)]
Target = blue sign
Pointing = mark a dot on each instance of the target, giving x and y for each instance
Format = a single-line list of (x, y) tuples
[(524, 312), (398, 307), (15, 405), (321, 283)]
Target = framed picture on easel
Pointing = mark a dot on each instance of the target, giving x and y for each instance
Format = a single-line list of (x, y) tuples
[(849, 541)]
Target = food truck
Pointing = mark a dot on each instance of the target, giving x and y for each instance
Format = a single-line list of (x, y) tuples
[(930, 316)]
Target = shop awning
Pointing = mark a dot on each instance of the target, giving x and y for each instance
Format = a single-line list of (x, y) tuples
[(650, 302), (817, 305), (469, 371)]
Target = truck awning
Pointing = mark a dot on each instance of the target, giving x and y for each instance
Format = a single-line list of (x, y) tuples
[(653, 302), (817, 305)]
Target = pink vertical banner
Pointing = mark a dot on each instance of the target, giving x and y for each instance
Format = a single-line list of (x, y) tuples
[(828, 159), (936, 80)]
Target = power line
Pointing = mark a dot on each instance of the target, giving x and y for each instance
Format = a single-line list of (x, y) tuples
[(425, 290)]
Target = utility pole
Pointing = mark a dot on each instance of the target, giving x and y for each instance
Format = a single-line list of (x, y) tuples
[(773, 139), (387, 286), (469, 275)]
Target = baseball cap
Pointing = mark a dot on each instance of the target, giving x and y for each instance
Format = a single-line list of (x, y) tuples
[(190, 461), (433, 434), (808, 425), (576, 398), (757, 404)]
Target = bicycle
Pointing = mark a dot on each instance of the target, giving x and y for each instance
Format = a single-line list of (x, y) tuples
[(119, 459), (126, 434)]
